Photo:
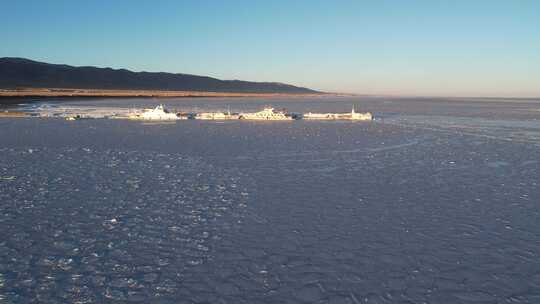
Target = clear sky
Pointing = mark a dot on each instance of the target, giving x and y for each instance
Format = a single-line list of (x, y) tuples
[(451, 48)]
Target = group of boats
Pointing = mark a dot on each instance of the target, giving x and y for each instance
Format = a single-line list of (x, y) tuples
[(268, 113)]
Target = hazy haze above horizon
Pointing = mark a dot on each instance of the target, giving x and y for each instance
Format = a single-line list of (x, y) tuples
[(445, 48)]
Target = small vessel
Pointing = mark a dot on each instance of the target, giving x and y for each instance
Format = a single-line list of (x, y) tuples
[(216, 116), (321, 116), (341, 116), (268, 113), (360, 116), (158, 113)]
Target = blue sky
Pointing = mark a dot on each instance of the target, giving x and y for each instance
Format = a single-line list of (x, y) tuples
[(450, 48)]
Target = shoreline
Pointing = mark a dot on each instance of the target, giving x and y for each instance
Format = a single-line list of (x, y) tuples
[(60, 92)]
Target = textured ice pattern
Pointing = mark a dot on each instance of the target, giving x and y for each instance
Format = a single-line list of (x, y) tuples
[(85, 226), (437, 201)]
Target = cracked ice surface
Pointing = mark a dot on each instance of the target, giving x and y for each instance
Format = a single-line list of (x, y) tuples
[(437, 203), (86, 226)]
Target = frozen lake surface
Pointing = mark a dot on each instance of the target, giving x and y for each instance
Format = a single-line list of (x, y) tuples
[(435, 202)]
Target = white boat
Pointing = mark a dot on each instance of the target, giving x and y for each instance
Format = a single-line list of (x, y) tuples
[(321, 116), (158, 113), (267, 113), (342, 116), (359, 116), (216, 116)]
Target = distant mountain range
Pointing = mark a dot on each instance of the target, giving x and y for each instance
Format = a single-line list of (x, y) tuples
[(24, 73)]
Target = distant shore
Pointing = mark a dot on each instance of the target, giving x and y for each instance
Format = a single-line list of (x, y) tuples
[(59, 92)]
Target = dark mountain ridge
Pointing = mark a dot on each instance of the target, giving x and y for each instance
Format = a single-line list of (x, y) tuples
[(25, 73)]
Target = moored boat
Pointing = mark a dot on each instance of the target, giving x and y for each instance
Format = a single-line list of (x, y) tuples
[(268, 113), (359, 116), (353, 115), (158, 113), (216, 116), (321, 116)]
